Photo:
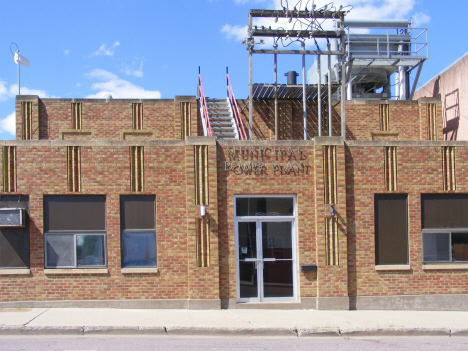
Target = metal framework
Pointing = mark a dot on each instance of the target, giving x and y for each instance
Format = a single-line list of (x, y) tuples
[(312, 32)]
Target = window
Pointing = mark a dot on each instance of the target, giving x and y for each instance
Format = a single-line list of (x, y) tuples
[(444, 227), (75, 231), (14, 240), (391, 229), (138, 229), (264, 206)]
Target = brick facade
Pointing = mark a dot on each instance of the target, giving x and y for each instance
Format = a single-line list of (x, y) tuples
[(196, 258)]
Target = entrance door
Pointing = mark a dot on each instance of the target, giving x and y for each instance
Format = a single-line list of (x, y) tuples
[(265, 260)]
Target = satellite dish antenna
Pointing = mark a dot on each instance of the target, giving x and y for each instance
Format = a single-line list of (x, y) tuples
[(19, 60)]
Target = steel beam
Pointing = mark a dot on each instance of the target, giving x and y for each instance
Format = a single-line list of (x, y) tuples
[(297, 14), (298, 52), (296, 33)]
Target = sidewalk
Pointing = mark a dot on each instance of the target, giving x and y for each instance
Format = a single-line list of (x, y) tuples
[(242, 322)]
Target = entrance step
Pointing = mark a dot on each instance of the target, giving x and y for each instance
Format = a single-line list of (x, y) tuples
[(269, 305)]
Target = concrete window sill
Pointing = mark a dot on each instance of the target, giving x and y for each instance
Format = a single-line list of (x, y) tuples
[(18, 271), (393, 267), (139, 270), (80, 133), (448, 266), (136, 134), (76, 271)]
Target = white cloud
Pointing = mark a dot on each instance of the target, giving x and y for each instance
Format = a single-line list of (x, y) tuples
[(241, 2), (235, 32), (8, 124), (104, 50), (66, 52), (3, 91), (131, 71), (101, 74), (7, 92), (118, 88), (13, 90), (420, 18)]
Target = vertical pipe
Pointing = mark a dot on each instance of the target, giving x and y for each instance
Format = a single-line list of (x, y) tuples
[(319, 97), (343, 86), (349, 87), (403, 77), (250, 44), (18, 64), (304, 101), (276, 96), (330, 133), (397, 85), (250, 95)]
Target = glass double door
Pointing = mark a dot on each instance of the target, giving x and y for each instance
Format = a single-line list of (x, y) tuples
[(265, 261)]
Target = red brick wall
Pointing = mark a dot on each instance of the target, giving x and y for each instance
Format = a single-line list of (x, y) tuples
[(407, 119), (107, 119)]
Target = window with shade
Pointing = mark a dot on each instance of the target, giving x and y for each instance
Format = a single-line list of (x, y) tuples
[(444, 228), (138, 231), (75, 231), (391, 229)]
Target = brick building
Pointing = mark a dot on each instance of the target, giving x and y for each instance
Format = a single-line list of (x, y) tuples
[(451, 88), (109, 193)]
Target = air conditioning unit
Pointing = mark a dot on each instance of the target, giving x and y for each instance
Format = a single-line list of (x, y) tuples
[(11, 217)]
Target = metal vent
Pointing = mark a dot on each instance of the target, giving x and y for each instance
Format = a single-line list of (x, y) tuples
[(11, 217)]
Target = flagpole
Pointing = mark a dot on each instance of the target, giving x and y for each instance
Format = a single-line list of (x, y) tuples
[(18, 64)]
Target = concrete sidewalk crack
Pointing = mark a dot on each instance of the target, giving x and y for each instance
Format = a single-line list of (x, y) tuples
[(40, 314)]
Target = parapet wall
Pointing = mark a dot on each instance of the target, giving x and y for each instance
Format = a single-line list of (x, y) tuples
[(163, 119)]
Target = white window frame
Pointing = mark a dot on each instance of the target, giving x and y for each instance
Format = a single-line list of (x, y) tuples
[(449, 232), (74, 234), (286, 218)]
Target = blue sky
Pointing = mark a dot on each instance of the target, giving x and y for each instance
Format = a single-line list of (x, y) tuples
[(152, 49)]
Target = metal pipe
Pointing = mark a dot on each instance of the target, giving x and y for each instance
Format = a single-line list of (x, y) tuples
[(343, 87), (250, 44), (416, 80), (276, 100), (319, 97), (397, 85), (304, 101), (349, 86), (377, 23), (297, 52), (18, 64), (330, 133), (403, 77)]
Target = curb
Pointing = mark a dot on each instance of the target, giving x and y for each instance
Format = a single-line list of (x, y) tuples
[(8, 330), (318, 332), (25, 330), (384, 332), (230, 331), (117, 330)]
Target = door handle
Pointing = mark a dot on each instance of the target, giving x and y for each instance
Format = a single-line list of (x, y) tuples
[(252, 260), (269, 259)]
